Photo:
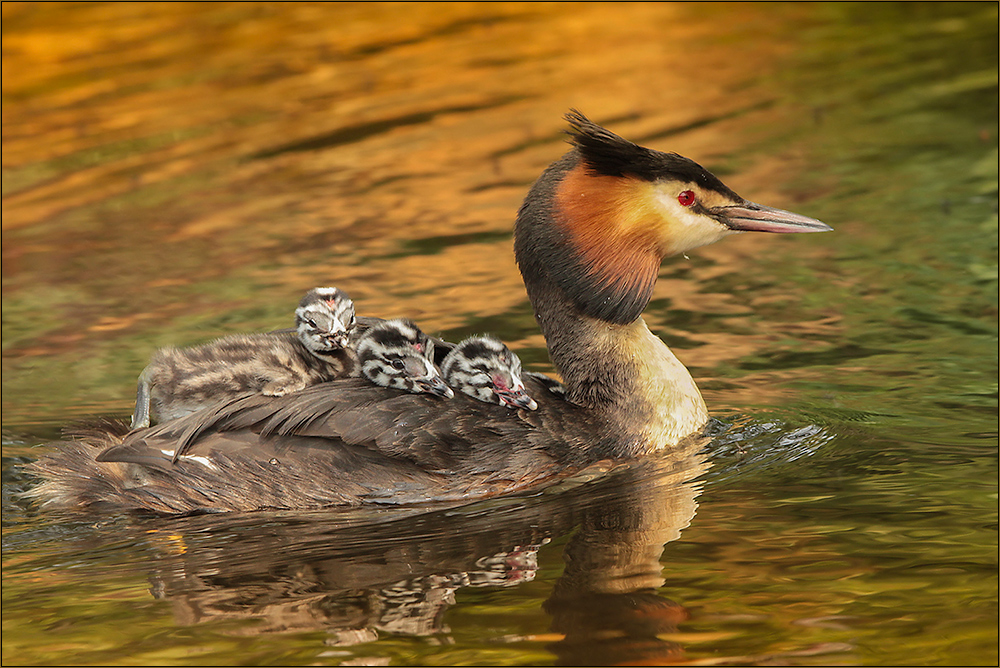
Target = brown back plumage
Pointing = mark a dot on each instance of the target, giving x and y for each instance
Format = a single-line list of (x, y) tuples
[(339, 443)]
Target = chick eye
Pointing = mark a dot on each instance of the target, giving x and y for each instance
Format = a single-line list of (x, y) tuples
[(686, 198), (397, 364)]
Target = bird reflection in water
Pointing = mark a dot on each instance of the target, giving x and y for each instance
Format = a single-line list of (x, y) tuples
[(362, 574)]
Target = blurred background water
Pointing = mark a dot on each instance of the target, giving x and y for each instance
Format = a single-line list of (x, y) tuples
[(176, 172)]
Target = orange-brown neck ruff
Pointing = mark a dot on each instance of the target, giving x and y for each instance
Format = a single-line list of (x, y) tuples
[(612, 248)]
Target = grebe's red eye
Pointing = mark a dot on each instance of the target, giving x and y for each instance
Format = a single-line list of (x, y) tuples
[(686, 198)]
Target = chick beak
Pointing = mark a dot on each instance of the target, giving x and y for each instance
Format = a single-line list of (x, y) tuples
[(515, 397), (436, 386), (518, 400), (752, 217), (338, 340)]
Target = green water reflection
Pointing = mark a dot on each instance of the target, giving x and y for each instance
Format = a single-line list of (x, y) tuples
[(175, 172)]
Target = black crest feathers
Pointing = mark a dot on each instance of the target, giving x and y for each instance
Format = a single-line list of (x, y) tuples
[(607, 154)]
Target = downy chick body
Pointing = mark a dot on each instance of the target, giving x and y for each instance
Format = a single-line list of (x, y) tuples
[(180, 381)]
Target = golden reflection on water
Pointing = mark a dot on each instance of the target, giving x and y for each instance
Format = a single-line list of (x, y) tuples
[(173, 172), (168, 162)]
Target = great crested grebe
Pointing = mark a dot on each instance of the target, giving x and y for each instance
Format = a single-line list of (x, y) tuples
[(180, 381), (588, 240), (485, 369)]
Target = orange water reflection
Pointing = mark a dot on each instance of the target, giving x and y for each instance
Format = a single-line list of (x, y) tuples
[(167, 163)]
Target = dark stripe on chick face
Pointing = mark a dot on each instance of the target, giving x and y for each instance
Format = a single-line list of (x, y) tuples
[(397, 354), (481, 367)]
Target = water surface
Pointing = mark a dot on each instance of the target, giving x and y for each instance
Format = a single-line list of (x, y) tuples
[(176, 172)]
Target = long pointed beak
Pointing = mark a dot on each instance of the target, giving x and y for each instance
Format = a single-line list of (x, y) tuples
[(752, 217)]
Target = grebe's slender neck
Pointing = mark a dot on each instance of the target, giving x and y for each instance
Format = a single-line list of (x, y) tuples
[(624, 372)]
